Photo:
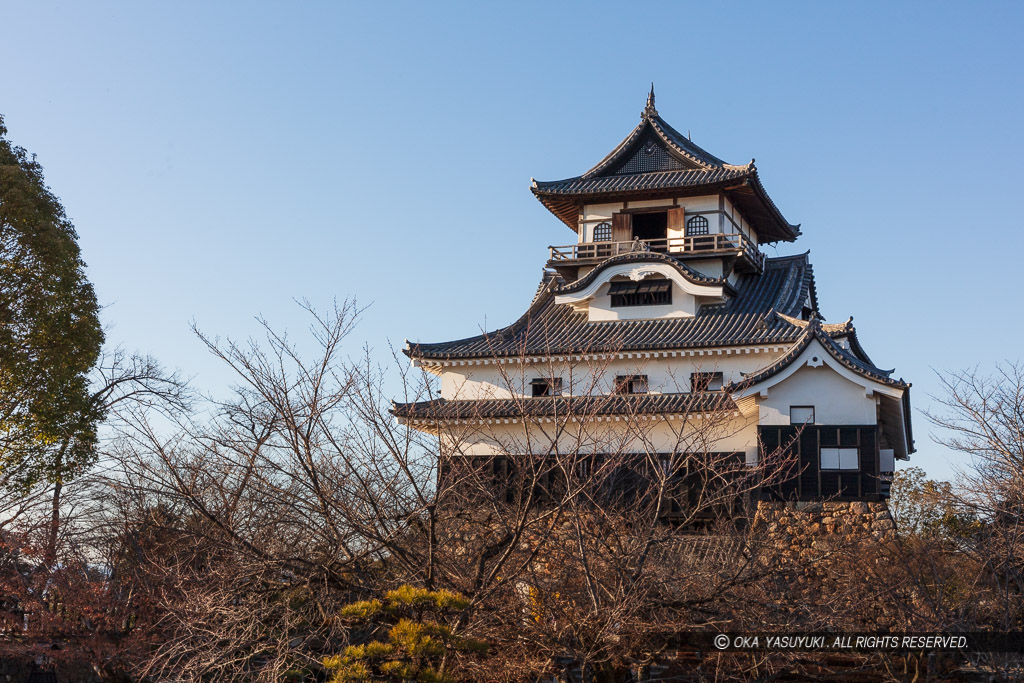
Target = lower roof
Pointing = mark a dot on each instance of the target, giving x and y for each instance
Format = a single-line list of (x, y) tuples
[(566, 406)]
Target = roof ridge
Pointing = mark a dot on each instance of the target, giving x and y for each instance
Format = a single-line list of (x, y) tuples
[(790, 257)]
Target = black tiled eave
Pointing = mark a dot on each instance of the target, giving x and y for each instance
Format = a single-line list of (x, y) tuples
[(566, 407), (549, 329), (641, 181)]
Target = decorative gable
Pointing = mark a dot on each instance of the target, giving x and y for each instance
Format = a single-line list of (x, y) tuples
[(652, 155)]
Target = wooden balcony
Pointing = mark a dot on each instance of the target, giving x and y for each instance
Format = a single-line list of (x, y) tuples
[(749, 257)]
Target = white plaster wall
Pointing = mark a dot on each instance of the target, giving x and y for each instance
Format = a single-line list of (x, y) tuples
[(836, 400), (601, 212), (709, 267), (684, 305), (652, 204), (584, 377), (660, 435), (597, 213), (732, 220)]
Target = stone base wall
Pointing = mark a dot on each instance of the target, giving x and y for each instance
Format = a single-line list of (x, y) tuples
[(801, 528)]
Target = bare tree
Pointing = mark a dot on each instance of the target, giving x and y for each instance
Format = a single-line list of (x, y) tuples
[(982, 416), (243, 535)]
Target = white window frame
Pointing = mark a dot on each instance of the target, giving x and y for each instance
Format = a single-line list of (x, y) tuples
[(846, 459), (798, 421)]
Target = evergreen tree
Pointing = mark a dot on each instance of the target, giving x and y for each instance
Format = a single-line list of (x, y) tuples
[(50, 333), (408, 639)]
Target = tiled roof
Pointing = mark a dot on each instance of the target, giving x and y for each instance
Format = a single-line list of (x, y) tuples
[(814, 330), (655, 159), (844, 330), (565, 406), (548, 328), (640, 181)]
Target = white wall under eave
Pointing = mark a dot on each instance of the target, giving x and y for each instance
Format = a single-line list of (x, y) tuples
[(691, 434), (587, 377), (684, 305), (711, 267), (722, 217), (836, 400)]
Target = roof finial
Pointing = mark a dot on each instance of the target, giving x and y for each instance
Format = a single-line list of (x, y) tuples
[(649, 110)]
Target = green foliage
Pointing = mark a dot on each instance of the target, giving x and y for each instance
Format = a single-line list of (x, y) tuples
[(414, 645), (927, 507), (50, 334), (422, 598), (363, 609)]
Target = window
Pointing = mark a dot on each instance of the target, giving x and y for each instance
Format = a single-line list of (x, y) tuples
[(631, 384), (584, 466), (801, 415), (839, 459), (698, 225), (887, 461), (706, 381), (603, 232), (546, 386), (647, 292)]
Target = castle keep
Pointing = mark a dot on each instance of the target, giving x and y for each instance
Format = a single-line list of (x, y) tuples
[(664, 309)]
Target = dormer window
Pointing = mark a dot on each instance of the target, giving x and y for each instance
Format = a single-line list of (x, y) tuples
[(603, 232), (698, 225), (647, 292), (546, 386), (631, 384), (706, 381)]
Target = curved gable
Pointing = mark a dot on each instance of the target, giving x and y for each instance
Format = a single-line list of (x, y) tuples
[(688, 290)]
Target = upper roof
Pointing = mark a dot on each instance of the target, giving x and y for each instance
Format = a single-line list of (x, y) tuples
[(656, 160), (749, 317)]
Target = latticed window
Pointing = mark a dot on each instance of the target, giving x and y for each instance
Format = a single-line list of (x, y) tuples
[(648, 292), (603, 232), (698, 225)]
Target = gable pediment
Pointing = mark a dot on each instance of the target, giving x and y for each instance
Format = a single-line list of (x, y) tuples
[(650, 155)]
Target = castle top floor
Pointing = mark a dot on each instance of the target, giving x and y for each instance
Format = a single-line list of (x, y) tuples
[(658, 191)]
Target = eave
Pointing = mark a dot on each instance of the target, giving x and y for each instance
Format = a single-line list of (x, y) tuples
[(563, 407)]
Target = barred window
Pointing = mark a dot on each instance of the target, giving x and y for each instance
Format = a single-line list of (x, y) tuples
[(706, 381), (631, 384), (698, 225), (603, 232), (546, 386), (647, 292)]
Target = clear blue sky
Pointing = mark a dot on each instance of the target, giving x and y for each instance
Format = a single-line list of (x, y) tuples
[(221, 159)]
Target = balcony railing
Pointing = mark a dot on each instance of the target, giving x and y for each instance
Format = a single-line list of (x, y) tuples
[(691, 245)]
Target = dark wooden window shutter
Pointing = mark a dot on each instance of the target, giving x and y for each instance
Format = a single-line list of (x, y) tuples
[(622, 227), (677, 220)]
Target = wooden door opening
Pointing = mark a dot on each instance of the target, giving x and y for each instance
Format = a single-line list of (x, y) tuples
[(650, 226)]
